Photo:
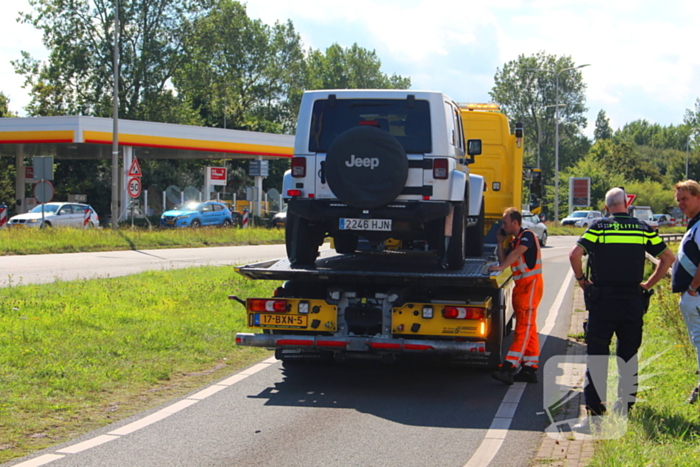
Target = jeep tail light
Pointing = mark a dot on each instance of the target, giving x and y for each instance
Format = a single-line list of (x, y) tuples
[(294, 193), (463, 312), (267, 305), (440, 169), (298, 167)]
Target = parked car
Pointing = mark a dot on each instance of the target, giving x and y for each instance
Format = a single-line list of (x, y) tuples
[(581, 218), (645, 214), (665, 220), (195, 214), (279, 219), (533, 222), (57, 214)]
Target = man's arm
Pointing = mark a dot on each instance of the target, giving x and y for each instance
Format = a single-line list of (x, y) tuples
[(510, 259), (666, 259), (576, 260)]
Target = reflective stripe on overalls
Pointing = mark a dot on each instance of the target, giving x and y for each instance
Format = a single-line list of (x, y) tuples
[(527, 295)]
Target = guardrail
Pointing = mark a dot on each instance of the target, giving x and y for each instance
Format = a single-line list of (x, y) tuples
[(672, 237)]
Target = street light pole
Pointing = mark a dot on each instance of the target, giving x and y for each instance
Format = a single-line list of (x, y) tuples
[(556, 144)]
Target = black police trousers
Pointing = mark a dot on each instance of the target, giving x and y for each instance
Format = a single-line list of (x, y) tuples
[(612, 311)]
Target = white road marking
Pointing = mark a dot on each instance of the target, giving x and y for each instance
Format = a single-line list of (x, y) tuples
[(498, 430), (85, 445), (150, 419), (39, 461)]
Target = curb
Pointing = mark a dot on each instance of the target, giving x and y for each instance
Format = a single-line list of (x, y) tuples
[(569, 452)]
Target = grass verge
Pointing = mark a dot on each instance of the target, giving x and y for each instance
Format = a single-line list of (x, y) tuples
[(78, 355), (662, 430), (28, 241)]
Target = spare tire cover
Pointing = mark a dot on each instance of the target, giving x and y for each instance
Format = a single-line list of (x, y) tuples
[(366, 167)]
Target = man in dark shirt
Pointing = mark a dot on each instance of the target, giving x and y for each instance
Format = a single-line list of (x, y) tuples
[(616, 247), (686, 274), (524, 259)]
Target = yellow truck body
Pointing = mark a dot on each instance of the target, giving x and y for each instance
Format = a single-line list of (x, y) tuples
[(500, 161)]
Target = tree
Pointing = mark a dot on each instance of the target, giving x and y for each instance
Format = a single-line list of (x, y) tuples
[(526, 90), (349, 68), (241, 73), (77, 79), (5, 106), (602, 127)]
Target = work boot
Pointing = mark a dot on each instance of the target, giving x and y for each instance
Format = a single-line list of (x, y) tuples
[(504, 373), (693, 398), (526, 375)]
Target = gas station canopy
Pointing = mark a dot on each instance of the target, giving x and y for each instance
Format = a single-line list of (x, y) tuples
[(72, 137)]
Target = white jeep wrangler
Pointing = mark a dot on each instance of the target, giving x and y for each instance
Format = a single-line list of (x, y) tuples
[(383, 164)]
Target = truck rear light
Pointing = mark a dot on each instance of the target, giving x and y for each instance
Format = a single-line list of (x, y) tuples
[(298, 167), (266, 305), (304, 308), (440, 169), (294, 193), (463, 312), (427, 312)]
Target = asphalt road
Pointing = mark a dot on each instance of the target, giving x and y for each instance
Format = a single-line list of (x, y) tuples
[(71, 266), (363, 414)]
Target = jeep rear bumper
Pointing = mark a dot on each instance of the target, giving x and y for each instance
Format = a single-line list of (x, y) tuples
[(321, 210)]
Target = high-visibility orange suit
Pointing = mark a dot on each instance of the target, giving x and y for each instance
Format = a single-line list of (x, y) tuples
[(527, 294)]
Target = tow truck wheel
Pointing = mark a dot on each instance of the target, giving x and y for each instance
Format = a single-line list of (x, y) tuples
[(345, 244), (302, 241), (474, 241), (455, 249)]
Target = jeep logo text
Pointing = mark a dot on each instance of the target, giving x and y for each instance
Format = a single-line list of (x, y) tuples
[(370, 162)]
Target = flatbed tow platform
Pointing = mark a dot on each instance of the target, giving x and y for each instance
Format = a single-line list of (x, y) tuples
[(384, 267)]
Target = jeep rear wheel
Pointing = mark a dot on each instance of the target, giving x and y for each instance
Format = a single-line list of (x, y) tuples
[(301, 240), (366, 167)]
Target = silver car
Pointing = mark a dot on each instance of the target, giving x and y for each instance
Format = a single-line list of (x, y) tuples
[(58, 214), (532, 222)]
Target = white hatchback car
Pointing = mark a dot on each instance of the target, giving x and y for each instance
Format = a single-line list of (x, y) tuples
[(532, 222), (58, 214), (582, 218)]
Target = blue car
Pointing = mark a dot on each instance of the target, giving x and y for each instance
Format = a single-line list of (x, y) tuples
[(194, 214)]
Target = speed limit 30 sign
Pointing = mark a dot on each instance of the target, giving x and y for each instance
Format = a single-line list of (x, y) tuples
[(134, 187)]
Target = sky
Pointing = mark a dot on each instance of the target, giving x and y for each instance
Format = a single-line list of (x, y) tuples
[(642, 53)]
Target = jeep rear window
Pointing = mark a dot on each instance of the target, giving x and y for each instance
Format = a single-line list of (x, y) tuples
[(409, 125)]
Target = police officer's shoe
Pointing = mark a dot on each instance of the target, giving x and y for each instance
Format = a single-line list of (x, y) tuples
[(505, 373), (526, 375), (693, 398)]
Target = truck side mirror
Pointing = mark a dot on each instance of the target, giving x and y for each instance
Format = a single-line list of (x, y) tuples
[(473, 149)]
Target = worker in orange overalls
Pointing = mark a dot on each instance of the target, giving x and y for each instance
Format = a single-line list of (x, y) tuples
[(524, 258)]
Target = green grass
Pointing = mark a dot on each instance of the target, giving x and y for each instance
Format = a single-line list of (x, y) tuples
[(662, 430), (78, 355), (27, 241)]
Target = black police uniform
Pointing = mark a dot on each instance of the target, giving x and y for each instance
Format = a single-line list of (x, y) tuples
[(616, 248)]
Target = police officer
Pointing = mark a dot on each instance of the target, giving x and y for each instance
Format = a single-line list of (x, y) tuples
[(616, 248)]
